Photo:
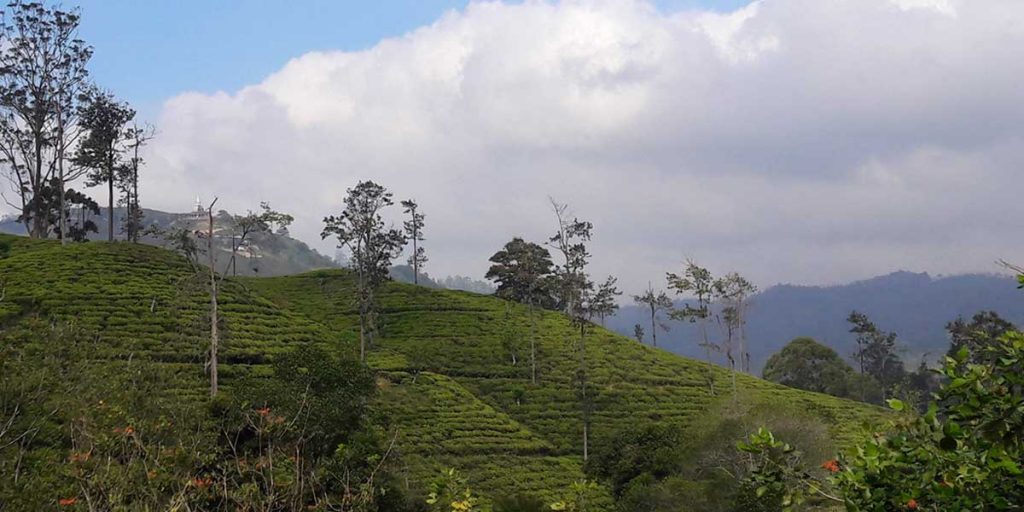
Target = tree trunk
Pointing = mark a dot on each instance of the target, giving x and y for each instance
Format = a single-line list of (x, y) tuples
[(533, 343), (62, 221), (136, 217), (363, 311), (38, 229), (707, 352), (214, 333), (110, 203), (415, 256), (654, 328), (583, 394)]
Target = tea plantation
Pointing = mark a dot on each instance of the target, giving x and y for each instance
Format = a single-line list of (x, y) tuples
[(448, 388), (451, 377)]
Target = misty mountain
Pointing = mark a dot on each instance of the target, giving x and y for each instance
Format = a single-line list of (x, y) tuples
[(914, 305)]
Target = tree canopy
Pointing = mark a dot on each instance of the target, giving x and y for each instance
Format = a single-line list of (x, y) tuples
[(806, 364)]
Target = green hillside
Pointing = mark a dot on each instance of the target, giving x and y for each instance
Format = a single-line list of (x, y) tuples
[(148, 302), (446, 382), (454, 342)]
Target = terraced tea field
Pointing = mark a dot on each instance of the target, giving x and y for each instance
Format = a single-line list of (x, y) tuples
[(148, 302), (448, 387), (456, 341)]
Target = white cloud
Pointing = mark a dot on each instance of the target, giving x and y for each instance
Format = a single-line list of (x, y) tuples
[(791, 140)]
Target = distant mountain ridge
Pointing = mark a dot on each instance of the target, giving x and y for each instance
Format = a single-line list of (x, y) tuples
[(916, 306)]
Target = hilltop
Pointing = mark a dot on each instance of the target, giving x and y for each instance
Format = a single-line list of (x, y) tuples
[(446, 382)]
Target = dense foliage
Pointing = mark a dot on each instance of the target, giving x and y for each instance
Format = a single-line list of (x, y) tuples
[(114, 436), (964, 453), (807, 364)]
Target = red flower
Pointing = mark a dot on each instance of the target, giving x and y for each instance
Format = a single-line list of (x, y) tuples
[(201, 483), (67, 502), (264, 411), (912, 504), (831, 465)]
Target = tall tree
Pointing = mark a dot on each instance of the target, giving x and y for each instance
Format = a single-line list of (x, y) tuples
[(638, 333), (602, 304), (105, 121), (523, 271), (695, 282), (656, 303), (876, 353), (128, 178), (371, 244), (214, 306), (574, 290), (414, 232), (42, 67), (733, 291)]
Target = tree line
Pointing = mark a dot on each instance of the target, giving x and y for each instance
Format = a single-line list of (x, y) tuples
[(57, 127), (879, 373)]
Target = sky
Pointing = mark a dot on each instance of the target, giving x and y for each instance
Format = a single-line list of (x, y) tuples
[(795, 141)]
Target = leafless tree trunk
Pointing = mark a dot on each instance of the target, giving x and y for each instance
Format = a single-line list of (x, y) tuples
[(533, 343), (214, 333)]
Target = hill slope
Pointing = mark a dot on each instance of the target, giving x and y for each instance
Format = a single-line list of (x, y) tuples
[(458, 342), (447, 384), (915, 306)]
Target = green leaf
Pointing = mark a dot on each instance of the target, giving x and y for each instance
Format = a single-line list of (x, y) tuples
[(894, 404)]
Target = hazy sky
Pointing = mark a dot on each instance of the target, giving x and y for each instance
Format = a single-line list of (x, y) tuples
[(805, 141)]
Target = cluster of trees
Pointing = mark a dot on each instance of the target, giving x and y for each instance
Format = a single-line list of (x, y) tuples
[(880, 373), (965, 452), (525, 273), (57, 127), (372, 244)]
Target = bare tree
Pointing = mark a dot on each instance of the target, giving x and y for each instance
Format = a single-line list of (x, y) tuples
[(414, 231), (656, 304), (135, 138), (733, 292), (695, 282), (214, 316), (575, 289), (244, 227)]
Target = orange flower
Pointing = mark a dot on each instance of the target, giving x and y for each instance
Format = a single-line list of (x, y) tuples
[(151, 475), (264, 411), (201, 483), (80, 456), (67, 502), (912, 504), (831, 465), (129, 431)]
